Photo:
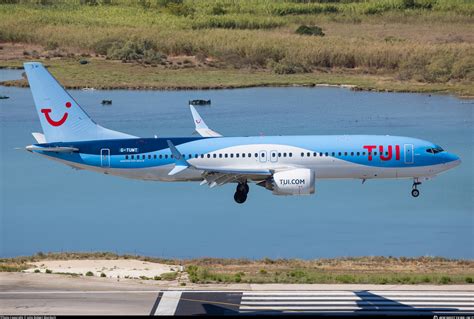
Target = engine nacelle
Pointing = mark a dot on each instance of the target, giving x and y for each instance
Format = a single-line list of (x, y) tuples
[(299, 181)]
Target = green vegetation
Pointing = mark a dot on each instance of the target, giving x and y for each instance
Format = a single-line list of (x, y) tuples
[(427, 42), (103, 275), (169, 275), (48, 271), (374, 270), (361, 270)]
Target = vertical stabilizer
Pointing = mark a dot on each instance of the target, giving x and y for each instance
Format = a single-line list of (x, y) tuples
[(61, 117)]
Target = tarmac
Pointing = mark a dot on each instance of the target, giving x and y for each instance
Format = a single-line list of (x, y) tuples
[(50, 294)]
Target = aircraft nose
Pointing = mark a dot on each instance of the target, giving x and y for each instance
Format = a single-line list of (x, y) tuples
[(453, 160)]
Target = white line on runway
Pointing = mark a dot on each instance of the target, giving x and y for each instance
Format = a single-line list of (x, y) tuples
[(352, 298), (168, 303)]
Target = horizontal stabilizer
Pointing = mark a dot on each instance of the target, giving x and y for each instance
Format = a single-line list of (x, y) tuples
[(39, 137), (57, 149)]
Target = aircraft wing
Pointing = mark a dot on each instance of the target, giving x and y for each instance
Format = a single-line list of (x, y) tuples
[(220, 177), (201, 126)]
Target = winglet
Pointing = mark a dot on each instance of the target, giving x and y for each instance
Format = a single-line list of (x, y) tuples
[(201, 126), (181, 164)]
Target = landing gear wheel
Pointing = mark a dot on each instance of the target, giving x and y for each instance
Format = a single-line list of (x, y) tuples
[(243, 188), (240, 197), (415, 192)]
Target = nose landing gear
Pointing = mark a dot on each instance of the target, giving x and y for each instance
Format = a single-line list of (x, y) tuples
[(241, 192), (415, 192)]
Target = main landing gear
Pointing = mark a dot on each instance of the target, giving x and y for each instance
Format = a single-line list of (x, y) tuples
[(241, 192), (415, 192)]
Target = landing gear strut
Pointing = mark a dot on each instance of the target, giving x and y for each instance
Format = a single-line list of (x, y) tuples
[(241, 192), (415, 192)]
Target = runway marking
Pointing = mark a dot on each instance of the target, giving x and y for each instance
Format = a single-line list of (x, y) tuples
[(383, 302), (168, 303)]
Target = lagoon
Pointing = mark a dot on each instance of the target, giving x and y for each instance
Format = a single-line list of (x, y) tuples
[(47, 206)]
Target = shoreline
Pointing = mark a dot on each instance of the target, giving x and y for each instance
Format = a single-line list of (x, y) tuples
[(102, 74)]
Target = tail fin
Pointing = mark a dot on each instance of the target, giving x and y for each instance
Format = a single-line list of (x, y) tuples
[(61, 117)]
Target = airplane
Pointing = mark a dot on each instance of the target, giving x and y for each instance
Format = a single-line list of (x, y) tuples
[(285, 165)]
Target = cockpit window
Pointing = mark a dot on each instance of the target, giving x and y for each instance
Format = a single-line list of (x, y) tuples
[(435, 150)]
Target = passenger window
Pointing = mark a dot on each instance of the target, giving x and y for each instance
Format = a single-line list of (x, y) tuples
[(315, 154), (352, 153), (161, 156), (166, 155), (202, 155), (284, 154), (231, 155), (375, 153), (237, 155), (339, 153), (302, 154), (225, 155), (358, 153), (149, 156), (308, 154), (363, 153), (326, 154), (220, 155), (290, 154), (263, 154), (279, 154), (126, 156), (133, 157), (214, 155), (249, 155), (321, 154), (243, 154), (154, 156), (345, 153), (256, 155)]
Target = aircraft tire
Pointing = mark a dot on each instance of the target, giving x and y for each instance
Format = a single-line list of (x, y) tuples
[(415, 192), (240, 197)]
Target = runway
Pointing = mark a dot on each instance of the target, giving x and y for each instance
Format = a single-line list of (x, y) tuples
[(33, 295), (179, 302)]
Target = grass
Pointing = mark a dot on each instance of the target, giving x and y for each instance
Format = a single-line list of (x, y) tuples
[(426, 42), (360, 270), (106, 74)]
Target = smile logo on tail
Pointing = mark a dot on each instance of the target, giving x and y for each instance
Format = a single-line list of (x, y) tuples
[(198, 121), (53, 122)]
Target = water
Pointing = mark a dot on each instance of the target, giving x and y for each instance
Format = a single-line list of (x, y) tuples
[(46, 206)]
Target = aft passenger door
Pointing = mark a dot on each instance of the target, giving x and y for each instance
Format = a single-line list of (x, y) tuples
[(105, 157)]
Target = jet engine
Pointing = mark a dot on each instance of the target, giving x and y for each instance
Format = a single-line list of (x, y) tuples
[(299, 181)]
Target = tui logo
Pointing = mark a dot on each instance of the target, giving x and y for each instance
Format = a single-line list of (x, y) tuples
[(53, 122)]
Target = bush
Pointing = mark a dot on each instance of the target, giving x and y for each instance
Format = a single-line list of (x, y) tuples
[(157, 278), (37, 270), (468, 280), (143, 51), (103, 275), (169, 276), (310, 30), (286, 66), (444, 280), (89, 273), (49, 271)]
